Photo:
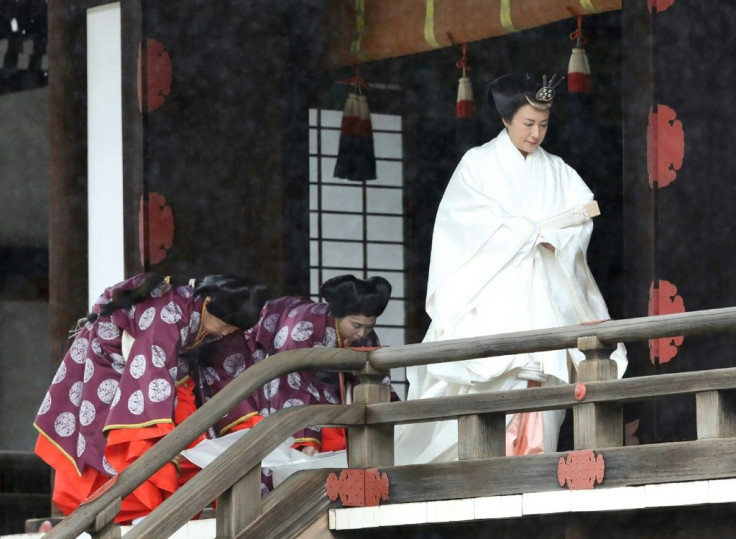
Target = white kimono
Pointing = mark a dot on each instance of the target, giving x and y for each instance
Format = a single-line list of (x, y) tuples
[(489, 274)]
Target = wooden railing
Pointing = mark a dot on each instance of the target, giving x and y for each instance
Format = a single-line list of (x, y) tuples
[(234, 477)]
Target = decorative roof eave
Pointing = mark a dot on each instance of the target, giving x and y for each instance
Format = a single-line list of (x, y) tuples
[(365, 30)]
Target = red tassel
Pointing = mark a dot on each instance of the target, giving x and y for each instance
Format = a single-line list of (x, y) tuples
[(356, 159), (578, 69), (465, 103), (578, 72)]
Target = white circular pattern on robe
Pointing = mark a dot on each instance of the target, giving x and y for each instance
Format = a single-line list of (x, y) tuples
[(269, 323), (182, 365), (270, 389), (96, 348), (258, 355), (75, 393), (102, 300), (108, 467), (330, 338), (45, 405), (291, 301), (81, 445), (295, 380), (183, 336), (293, 402), (332, 399), (60, 374), (89, 370), (264, 488), (116, 398), (211, 376), (108, 331), (302, 331), (194, 322), (78, 351), (159, 290), (171, 313), (138, 366), (107, 390), (173, 371), (144, 322), (86, 413), (118, 363), (316, 429), (268, 472), (313, 391), (65, 424), (88, 325), (234, 364), (280, 339), (184, 291), (320, 308), (158, 356), (159, 390), (267, 411), (293, 313), (130, 312), (135, 402)]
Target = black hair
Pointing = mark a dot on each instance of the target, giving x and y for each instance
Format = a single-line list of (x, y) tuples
[(234, 300), (512, 91), (348, 295)]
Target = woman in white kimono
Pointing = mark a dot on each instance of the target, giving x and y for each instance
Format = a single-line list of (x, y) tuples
[(508, 254)]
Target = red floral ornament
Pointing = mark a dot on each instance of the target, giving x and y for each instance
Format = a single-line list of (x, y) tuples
[(158, 76)]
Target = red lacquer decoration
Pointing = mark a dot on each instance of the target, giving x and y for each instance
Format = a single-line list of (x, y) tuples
[(580, 391), (160, 227), (665, 146), (581, 471), (663, 299), (158, 76), (660, 5), (358, 487)]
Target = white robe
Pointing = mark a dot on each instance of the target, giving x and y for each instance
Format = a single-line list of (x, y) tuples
[(489, 274)]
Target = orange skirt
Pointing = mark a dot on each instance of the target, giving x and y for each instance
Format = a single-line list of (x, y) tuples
[(124, 446)]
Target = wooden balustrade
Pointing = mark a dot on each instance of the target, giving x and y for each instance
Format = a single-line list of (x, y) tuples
[(232, 477)]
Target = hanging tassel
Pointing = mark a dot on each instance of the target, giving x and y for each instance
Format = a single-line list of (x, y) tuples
[(578, 69), (467, 126), (356, 158)]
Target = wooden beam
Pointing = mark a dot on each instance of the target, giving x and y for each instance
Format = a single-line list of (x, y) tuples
[(639, 389), (715, 414), (281, 517), (481, 436), (625, 466), (611, 331), (239, 505)]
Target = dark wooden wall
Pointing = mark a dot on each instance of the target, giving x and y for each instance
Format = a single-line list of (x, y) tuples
[(679, 230)]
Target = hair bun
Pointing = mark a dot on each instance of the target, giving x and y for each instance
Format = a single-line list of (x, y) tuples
[(348, 295)]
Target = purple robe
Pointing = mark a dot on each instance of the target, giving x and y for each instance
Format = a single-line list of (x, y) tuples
[(285, 323), (95, 389)]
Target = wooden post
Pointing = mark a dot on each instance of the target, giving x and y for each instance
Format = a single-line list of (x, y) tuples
[(715, 414), (240, 505), (597, 425), (104, 526), (481, 436), (371, 446)]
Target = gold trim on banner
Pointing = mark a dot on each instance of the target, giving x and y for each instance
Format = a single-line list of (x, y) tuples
[(506, 21), (588, 6), (359, 30), (429, 36)]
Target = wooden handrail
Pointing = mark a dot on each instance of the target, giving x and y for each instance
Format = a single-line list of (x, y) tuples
[(248, 452), (639, 389), (610, 331), (206, 416), (613, 331)]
